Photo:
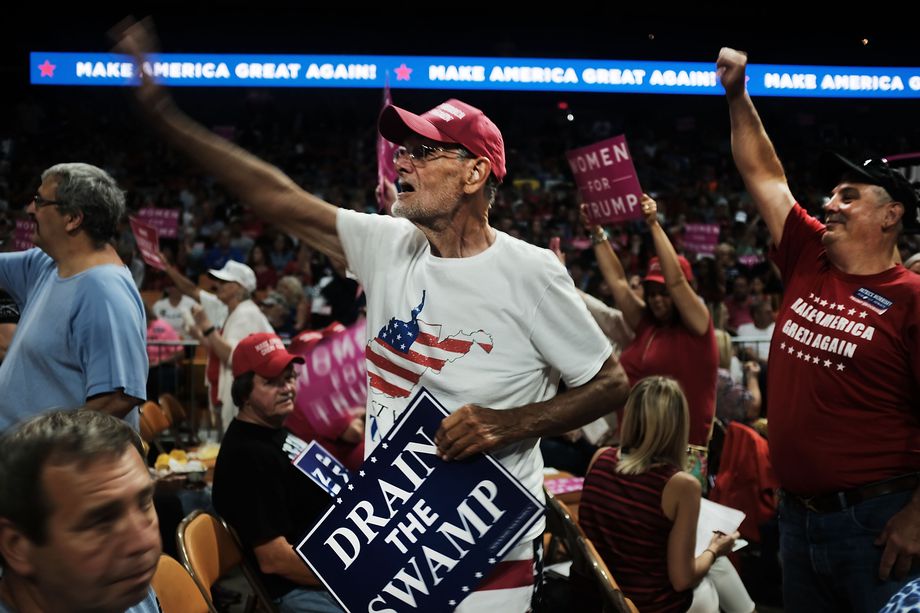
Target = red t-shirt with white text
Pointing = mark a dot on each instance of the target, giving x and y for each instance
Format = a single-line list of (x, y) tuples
[(671, 350), (844, 367)]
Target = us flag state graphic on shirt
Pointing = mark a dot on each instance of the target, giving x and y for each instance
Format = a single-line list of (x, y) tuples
[(404, 350)]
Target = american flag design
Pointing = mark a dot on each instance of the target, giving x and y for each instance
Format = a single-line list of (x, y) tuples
[(403, 350)]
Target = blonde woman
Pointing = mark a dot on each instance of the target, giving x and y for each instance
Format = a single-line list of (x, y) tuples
[(640, 509)]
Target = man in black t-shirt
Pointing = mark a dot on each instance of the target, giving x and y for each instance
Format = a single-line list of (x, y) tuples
[(257, 489)]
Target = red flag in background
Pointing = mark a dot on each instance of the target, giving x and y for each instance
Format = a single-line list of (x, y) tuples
[(386, 172)]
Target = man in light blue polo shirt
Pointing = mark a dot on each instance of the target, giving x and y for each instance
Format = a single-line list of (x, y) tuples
[(81, 336)]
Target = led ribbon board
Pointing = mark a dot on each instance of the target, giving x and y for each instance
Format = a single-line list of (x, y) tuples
[(471, 73)]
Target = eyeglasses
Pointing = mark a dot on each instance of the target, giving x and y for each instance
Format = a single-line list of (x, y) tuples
[(40, 202), (421, 154)]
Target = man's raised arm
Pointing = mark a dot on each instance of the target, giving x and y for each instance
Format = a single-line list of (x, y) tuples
[(751, 147), (270, 193)]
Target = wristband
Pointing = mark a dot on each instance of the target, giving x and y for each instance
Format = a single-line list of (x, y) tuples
[(714, 554), (599, 236), (209, 331)]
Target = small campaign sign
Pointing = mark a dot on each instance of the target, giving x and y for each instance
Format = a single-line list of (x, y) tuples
[(411, 532), (701, 237), (331, 380), (148, 243), (607, 180), (166, 221), (22, 235), (322, 468)]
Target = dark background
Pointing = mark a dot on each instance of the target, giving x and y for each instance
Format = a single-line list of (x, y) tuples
[(772, 32)]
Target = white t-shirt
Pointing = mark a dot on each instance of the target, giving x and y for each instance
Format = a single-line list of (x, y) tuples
[(247, 318), (513, 315), (177, 316), (752, 332)]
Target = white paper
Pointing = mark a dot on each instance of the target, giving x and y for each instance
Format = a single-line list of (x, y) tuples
[(560, 569), (596, 430), (715, 517)]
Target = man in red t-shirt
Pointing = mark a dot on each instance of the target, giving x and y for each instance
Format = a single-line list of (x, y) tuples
[(844, 397)]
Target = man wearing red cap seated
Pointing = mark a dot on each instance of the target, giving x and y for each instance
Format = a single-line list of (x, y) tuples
[(257, 489), (486, 322)]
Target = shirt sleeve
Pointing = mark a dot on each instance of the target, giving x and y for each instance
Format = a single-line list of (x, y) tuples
[(18, 272), (610, 320), (109, 332), (250, 320), (801, 241), (564, 332), (370, 241), (215, 309)]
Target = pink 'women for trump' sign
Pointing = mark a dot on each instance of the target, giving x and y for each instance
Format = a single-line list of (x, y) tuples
[(148, 243), (607, 180)]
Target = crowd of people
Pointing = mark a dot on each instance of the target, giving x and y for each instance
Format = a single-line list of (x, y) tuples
[(632, 329)]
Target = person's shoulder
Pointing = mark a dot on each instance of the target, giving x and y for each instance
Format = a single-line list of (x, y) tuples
[(801, 224), (684, 484), (105, 273), (528, 257), (244, 444), (377, 219), (909, 278), (34, 259), (506, 241), (248, 306), (107, 282), (603, 456), (373, 232), (150, 604)]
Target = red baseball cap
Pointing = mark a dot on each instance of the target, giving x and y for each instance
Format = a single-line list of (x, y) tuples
[(264, 354), (450, 122), (655, 275)]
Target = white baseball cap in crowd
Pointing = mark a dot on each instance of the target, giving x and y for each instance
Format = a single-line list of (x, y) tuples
[(236, 272)]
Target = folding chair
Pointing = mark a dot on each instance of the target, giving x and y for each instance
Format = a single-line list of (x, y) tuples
[(210, 550), (171, 405), (611, 594), (153, 422), (557, 517), (586, 562), (176, 590), (178, 419)]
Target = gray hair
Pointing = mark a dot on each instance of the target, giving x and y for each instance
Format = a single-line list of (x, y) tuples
[(291, 284), (491, 189), (87, 189), (60, 437)]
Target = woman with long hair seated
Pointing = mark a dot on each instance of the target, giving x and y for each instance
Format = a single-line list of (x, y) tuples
[(640, 509)]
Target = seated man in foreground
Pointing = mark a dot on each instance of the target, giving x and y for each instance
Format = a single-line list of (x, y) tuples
[(257, 489)]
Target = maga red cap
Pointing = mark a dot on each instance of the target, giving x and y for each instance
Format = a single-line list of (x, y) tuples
[(264, 354), (655, 275), (450, 122)]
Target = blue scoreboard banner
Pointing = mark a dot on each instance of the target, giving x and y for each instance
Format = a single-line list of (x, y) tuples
[(465, 73), (411, 532)]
